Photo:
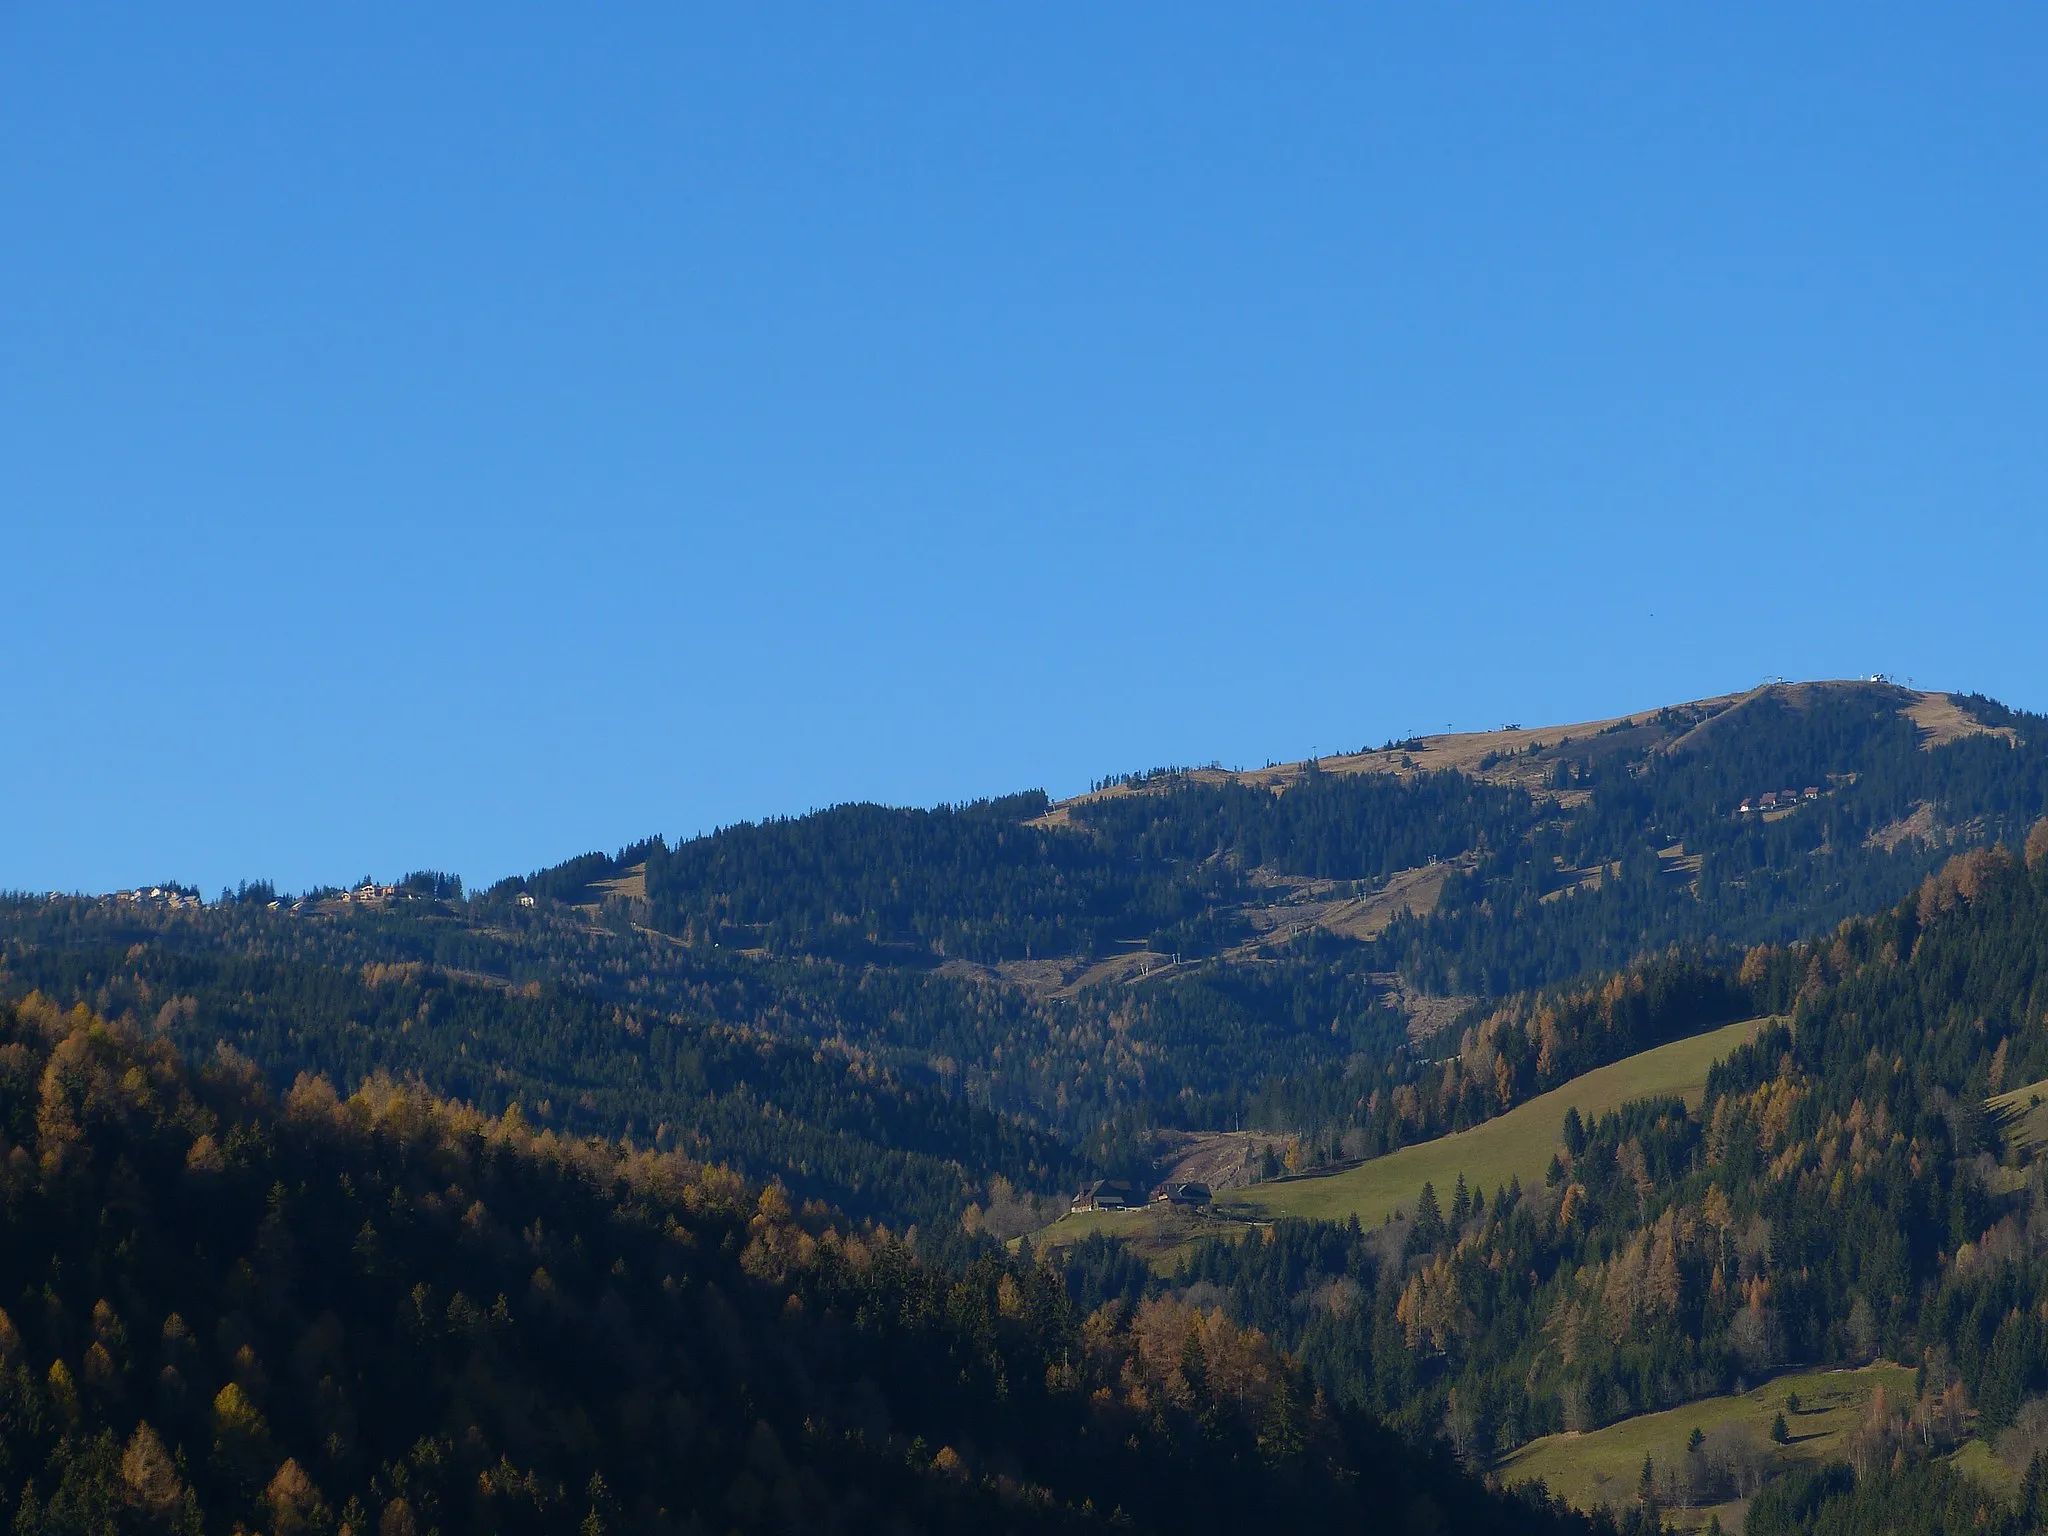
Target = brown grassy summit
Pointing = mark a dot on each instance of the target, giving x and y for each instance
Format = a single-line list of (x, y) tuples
[(1524, 755)]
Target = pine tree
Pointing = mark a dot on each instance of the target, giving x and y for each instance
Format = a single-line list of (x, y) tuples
[(1461, 1203), (1429, 1218)]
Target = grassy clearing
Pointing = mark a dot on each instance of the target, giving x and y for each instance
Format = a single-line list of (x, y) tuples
[(1605, 1465), (2024, 1112), (1158, 1234), (1517, 1144), (1976, 1460)]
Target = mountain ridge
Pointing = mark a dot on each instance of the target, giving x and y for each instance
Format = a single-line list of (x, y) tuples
[(934, 1001), (1937, 714)]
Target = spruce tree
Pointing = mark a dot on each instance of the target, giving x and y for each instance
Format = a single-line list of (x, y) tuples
[(1429, 1218)]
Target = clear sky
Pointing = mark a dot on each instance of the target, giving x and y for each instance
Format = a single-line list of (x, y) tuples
[(465, 436)]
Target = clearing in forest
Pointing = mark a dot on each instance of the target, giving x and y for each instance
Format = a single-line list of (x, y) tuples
[(1518, 1144), (1605, 1466), (2024, 1114), (1160, 1234)]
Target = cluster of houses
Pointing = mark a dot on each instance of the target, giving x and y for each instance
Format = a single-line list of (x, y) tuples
[(1122, 1195), (368, 894), (157, 896), (1777, 800), (371, 894)]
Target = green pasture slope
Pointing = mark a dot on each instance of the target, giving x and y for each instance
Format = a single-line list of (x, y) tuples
[(1518, 1144), (1604, 1466)]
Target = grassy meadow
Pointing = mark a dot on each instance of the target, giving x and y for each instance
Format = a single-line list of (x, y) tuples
[(1605, 1466), (1518, 1144), (1159, 1234)]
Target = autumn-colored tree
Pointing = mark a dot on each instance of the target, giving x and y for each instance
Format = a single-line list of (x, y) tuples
[(150, 1477)]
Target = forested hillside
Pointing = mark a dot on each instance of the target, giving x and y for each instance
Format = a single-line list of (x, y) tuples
[(892, 1093), (1841, 1196), (1639, 825), (906, 1012), (588, 1033), (393, 1314), (426, 1290)]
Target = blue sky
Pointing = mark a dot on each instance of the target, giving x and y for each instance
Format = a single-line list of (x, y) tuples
[(464, 439)]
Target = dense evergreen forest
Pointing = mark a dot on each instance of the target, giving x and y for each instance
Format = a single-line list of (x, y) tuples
[(891, 1093), (393, 1314), (1761, 878)]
